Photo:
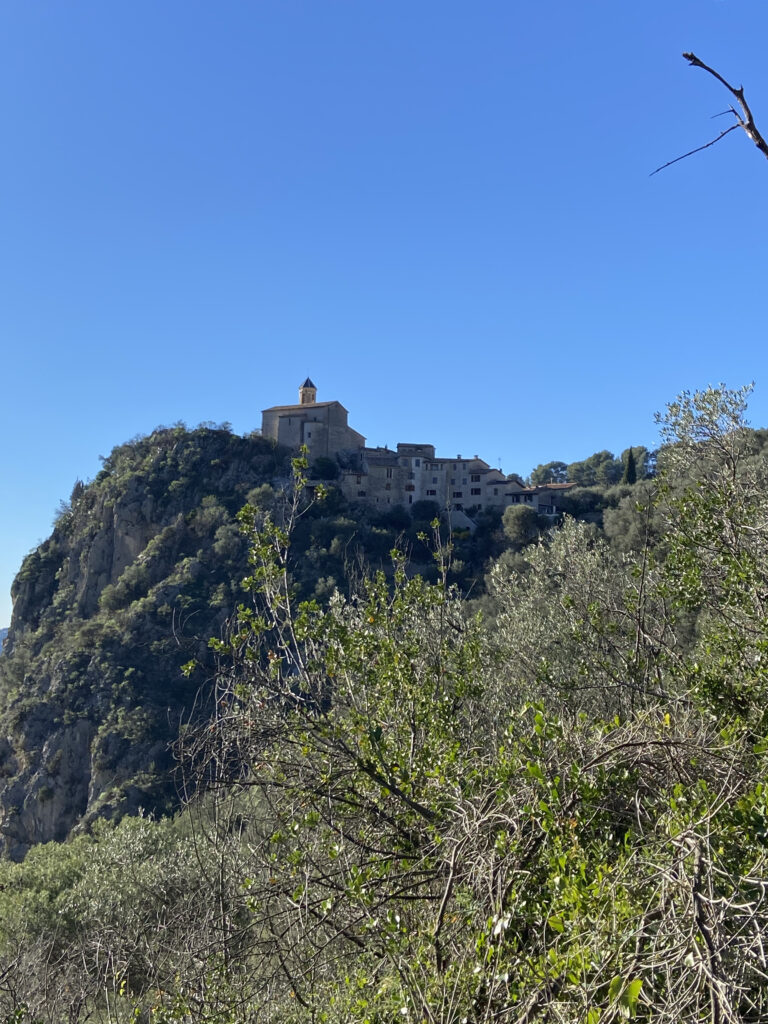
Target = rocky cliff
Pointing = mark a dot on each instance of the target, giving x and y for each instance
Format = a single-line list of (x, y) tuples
[(142, 568)]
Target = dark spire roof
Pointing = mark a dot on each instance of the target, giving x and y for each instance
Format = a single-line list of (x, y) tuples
[(308, 384)]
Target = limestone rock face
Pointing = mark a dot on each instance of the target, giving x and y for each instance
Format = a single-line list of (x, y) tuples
[(44, 801), (142, 568)]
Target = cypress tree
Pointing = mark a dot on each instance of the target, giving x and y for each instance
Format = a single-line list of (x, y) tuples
[(630, 469)]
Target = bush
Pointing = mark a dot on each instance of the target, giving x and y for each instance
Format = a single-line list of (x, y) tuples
[(521, 525), (425, 511), (324, 468)]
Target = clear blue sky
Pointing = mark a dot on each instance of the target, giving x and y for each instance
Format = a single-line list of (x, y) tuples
[(440, 211)]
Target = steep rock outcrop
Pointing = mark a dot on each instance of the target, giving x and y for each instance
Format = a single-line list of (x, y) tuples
[(143, 566)]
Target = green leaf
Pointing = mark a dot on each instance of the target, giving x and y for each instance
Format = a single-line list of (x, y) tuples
[(626, 993), (615, 987), (631, 994)]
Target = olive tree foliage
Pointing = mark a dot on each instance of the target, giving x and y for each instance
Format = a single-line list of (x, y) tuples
[(128, 921), (635, 523), (581, 625), (717, 534), (521, 525)]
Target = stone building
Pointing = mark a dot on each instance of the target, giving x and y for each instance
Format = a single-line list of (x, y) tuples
[(321, 426), (413, 472)]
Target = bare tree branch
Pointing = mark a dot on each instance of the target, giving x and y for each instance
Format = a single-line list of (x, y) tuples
[(743, 120), (692, 151), (746, 122)]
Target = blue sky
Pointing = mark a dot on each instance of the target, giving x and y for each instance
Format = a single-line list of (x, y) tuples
[(440, 211)]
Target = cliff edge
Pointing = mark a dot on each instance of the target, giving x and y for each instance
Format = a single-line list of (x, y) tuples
[(141, 569)]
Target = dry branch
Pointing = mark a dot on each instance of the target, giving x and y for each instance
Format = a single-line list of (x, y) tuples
[(744, 119)]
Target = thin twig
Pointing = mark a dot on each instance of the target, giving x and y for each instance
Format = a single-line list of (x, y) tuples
[(692, 151)]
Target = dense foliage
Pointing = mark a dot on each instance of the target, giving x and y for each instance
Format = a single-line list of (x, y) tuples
[(545, 804), (144, 565)]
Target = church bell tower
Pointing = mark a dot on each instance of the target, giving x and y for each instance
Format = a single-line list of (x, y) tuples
[(307, 393)]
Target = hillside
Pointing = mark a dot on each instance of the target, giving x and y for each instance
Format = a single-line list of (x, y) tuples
[(141, 569), (555, 810), (145, 564)]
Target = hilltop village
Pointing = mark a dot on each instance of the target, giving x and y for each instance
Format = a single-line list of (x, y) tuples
[(410, 473)]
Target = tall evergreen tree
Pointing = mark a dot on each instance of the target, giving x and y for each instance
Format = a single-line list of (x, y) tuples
[(630, 469)]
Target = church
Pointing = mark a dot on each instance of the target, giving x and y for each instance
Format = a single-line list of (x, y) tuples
[(321, 426), (413, 472)]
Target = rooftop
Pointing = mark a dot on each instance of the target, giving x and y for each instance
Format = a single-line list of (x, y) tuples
[(302, 408)]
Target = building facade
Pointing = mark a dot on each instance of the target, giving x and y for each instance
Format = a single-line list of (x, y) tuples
[(321, 426), (413, 472)]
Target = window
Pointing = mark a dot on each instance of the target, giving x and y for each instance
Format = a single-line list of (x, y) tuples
[(361, 494), (417, 462), (410, 487), (410, 499), (387, 487), (475, 490), (389, 473), (431, 493), (475, 478), (358, 479), (434, 479), (496, 490), (463, 479), (457, 494)]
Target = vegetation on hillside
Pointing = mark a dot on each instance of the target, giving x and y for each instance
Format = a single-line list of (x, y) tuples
[(144, 565), (404, 808)]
